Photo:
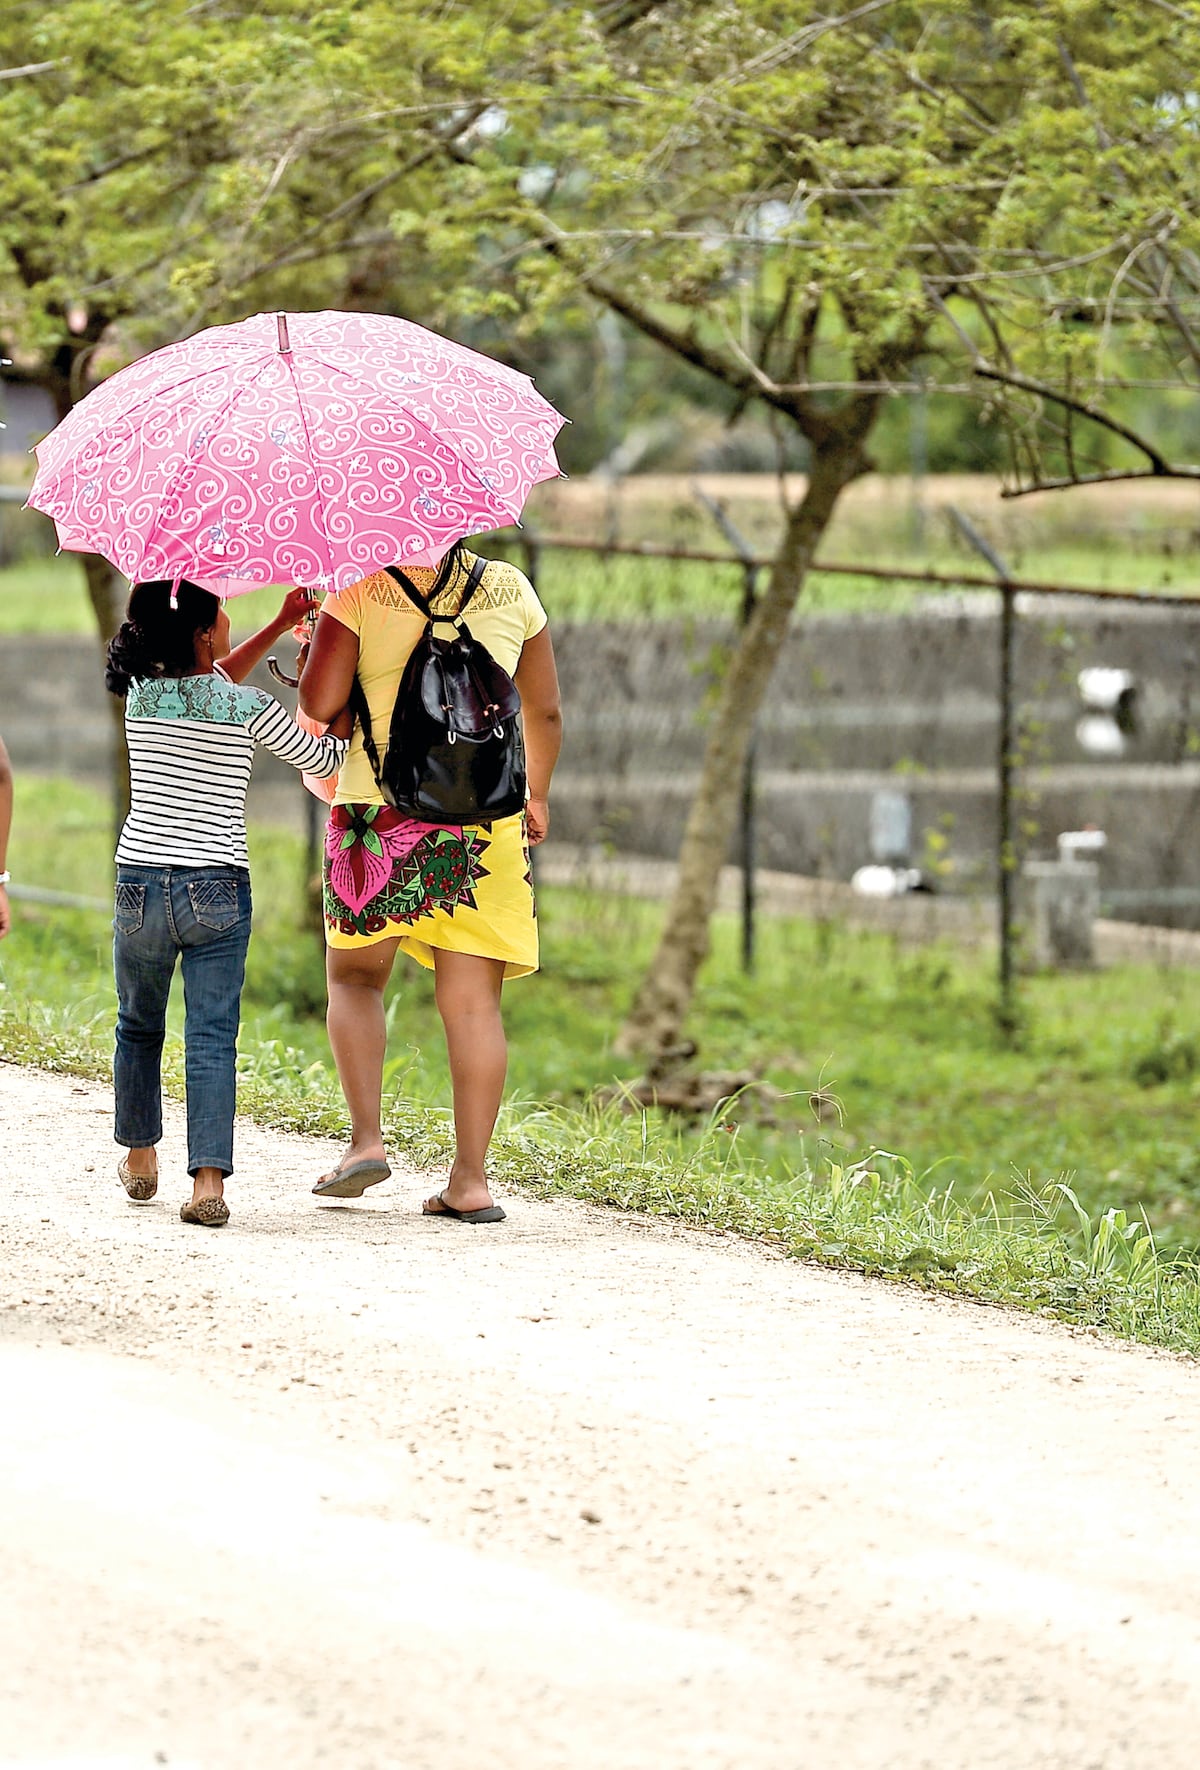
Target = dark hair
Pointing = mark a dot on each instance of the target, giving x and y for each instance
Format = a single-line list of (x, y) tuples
[(450, 566), (155, 639)]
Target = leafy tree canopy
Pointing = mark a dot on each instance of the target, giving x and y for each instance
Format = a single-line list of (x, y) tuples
[(788, 196)]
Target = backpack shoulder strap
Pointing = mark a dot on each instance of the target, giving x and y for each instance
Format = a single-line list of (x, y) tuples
[(474, 579), (410, 590), (425, 604), (362, 713)]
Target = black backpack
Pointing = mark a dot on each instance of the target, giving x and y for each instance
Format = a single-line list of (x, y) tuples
[(455, 752)]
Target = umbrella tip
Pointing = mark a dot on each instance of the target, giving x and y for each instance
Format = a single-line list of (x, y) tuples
[(284, 342)]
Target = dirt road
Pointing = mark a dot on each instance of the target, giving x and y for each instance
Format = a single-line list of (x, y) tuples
[(338, 1486)]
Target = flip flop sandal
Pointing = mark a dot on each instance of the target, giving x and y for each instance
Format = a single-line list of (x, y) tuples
[(140, 1187), (489, 1213), (213, 1213), (353, 1181)]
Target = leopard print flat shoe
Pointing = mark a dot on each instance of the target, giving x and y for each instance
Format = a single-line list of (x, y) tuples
[(213, 1213), (140, 1187)]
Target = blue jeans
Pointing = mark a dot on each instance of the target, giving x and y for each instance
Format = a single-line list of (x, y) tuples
[(203, 914)]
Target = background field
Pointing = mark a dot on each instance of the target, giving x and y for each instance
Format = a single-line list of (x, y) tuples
[(1114, 537)]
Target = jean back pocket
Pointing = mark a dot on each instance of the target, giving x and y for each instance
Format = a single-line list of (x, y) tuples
[(130, 907), (214, 903)]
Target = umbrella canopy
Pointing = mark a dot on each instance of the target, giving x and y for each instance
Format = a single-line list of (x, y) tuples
[(304, 448)]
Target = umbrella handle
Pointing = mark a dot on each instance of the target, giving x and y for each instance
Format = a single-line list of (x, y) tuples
[(281, 676)]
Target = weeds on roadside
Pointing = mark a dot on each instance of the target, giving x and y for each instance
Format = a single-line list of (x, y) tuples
[(1036, 1249), (916, 1062)]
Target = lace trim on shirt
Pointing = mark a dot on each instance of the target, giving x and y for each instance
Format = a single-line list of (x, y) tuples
[(500, 587), (213, 698)]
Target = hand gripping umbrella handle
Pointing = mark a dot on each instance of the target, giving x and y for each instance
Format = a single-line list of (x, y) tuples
[(305, 627)]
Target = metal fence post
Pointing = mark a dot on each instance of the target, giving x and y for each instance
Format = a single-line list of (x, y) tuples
[(1006, 1008), (749, 835), (1008, 855)]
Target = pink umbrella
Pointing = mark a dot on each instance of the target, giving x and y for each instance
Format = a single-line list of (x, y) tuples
[(306, 448)]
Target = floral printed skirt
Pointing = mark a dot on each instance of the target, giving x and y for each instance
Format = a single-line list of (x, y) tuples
[(466, 888)]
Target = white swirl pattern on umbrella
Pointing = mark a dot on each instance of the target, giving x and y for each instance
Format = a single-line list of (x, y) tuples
[(372, 441)]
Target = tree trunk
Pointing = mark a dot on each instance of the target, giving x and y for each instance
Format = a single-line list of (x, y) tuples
[(656, 1019), (106, 592), (65, 379)]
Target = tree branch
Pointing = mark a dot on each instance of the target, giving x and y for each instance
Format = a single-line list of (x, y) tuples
[(770, 59), (686, 344), (1175, 11), (33, 67), (326, 249), (621, 15), (1099, 479), (1160, 467), (442, 142)]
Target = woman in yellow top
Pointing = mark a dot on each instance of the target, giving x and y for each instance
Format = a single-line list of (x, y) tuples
[(458, 899)]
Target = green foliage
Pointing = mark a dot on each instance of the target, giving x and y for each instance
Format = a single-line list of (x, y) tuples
[(782, 197), (1168, 1055)]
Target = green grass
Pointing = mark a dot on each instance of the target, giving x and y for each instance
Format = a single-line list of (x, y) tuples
[(48, 596), (44, 596), (1023, 1175), (577, 586)]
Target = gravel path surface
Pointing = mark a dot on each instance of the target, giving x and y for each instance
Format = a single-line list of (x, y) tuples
[(340, 1486)]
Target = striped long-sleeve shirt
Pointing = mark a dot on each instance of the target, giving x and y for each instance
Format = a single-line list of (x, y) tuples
[(191, 749)]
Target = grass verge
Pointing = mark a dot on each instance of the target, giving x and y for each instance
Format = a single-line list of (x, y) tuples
[(871, 1216), (47, 595), (913, 1050)]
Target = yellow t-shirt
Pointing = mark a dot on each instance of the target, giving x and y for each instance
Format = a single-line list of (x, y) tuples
[(502, 614)]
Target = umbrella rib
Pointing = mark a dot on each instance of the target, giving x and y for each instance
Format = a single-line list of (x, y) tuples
[(312, 455), (150, 395), (71, 472), (193, 461), (462, 460), (70, 464)]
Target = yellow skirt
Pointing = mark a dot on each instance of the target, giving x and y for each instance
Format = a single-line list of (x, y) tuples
[(462, 888)]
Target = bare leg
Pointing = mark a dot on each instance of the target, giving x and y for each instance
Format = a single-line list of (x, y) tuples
[(468, 999), (357, 978), (143, 1161), (207, 1183)]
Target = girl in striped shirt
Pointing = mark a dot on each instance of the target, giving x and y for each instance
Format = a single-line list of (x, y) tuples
[(183, 879)]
